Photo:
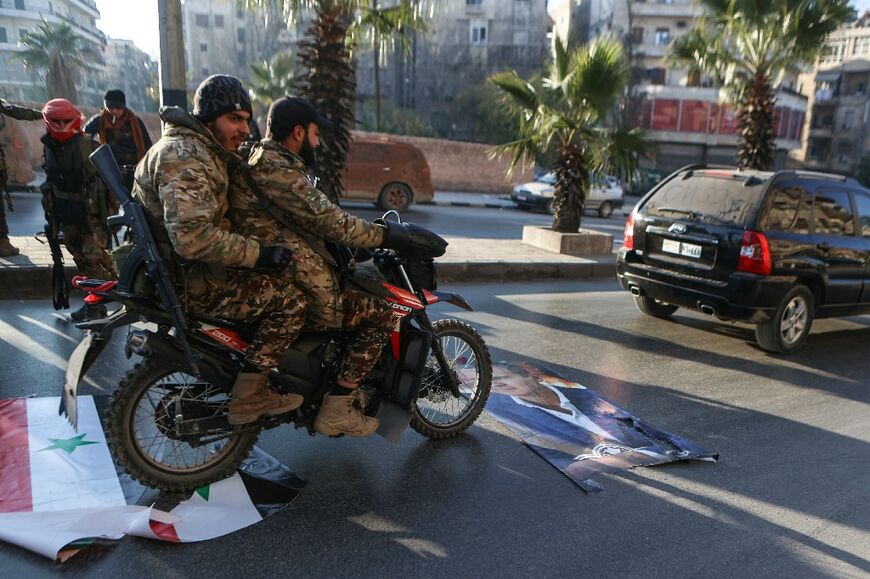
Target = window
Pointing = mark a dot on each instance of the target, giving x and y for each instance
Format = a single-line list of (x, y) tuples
[(863, 202), (201, 20), (240, 35), (862, 45), (637, 35), (478, 32), (834, 51), (204, 71), (681, 23), (218, 20), (473, 2), (19, 4), (3, 38), (833, 213), (656, 75), (203, 47), (22, 32), (663, 36), (788, 209)]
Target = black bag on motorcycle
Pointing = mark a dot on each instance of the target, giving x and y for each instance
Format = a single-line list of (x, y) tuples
[(422, 273)]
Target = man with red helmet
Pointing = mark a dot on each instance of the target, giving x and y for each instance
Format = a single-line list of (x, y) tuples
[(75, 198)]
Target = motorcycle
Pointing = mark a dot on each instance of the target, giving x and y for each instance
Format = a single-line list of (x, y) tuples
[(167, 422)]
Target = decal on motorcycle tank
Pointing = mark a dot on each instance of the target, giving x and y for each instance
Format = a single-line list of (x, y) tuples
[(403, 297)]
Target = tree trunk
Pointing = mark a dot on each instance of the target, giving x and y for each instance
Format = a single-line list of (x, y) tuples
[(571, 182), (755, 148), (377, 70), (329, 82)]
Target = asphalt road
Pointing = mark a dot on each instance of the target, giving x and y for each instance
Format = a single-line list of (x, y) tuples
[(789, 498), (480, 223)]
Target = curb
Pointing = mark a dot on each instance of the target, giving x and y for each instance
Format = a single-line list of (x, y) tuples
[(469, 204), (35, 282)]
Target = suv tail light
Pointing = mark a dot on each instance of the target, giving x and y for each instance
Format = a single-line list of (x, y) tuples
[(628, 233), (754, 254)]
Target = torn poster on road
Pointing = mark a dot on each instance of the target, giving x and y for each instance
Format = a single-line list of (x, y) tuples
[(60, 492), (576, 430)]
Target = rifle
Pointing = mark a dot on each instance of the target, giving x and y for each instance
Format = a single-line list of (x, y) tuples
[(59, 284), (134, 217)]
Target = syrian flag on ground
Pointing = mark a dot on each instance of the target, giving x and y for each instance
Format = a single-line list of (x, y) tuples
[(60, 492)]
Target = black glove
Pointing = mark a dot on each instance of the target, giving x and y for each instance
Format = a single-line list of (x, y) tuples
[(274, 257), (412, 240)]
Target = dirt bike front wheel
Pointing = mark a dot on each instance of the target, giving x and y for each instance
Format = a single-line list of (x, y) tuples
[(144, 440), (437, 413)]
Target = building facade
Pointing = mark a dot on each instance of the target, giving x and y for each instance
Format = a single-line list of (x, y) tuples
[(19, 17), (839, 99), (134, 72), (467, 42), (222, 38), (685, 115)]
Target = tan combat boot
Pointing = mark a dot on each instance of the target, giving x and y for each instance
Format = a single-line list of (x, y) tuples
[(6, 248), (342, 415), (252, 397)]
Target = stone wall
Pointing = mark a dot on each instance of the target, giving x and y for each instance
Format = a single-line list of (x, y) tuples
[(455, 165)]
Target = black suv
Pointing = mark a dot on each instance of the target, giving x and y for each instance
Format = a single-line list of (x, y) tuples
[(773, 249)]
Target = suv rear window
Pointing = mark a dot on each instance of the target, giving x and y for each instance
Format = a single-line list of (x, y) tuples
[(707, 198)]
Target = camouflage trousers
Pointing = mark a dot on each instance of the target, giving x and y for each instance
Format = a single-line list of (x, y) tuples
[(369, 319), (4, 227), (88, 245), (249, 296)]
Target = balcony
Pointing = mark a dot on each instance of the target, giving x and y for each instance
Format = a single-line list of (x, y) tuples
[(682, 10)]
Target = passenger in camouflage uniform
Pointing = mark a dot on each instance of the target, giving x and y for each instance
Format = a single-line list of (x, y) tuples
[(75, 198), (278, 167), (182, 182), (22, 114)]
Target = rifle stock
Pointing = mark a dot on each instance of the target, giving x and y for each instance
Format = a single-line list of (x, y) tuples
[(134, 218)]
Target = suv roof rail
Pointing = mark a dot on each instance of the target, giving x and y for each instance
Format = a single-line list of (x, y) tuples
[(818, 175)]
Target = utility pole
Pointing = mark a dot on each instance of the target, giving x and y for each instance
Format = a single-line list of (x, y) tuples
[(173, 81)]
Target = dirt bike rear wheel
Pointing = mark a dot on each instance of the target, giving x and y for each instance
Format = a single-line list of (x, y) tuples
[(141, 436), (437, 413)]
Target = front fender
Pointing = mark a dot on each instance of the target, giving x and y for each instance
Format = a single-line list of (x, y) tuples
[(455, 299)]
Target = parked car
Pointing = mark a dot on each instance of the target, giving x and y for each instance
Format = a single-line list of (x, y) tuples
[(773, 249), (604, 195), (390, 173)]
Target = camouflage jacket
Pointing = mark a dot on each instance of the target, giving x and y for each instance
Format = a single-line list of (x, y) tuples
[(182, 182), (281, 176), (19, 113)]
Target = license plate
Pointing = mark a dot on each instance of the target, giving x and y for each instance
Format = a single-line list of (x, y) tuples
[(68, 402), (522, 198), (680, 248)]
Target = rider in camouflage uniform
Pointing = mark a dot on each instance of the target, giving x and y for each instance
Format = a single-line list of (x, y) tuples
[(182, 182), (22, 114), (278, 168)]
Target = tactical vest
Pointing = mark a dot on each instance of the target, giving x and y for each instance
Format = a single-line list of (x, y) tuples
[(64, 164)]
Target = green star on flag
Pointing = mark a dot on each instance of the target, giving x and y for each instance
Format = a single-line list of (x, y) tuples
[(68, 444)]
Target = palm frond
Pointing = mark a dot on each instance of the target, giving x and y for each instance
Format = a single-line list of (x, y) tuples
[(600, 75), (520, 91)]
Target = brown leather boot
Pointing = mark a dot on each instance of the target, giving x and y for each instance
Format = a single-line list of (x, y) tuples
[(6, 248), (342, 415), (251, 398)]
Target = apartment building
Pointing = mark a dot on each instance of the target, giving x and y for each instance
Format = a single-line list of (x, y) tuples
[(467, 42), (839, 101), (132, 71), (684, 113), (19, 17), (221, 37)]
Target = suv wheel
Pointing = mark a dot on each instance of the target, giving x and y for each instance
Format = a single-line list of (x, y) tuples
[(653, 307), (789, 327), (606, 210), (395, 196)]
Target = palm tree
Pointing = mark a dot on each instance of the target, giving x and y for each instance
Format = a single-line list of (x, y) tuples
[(381, 29), (272, 79), (57, 55), (749, 45), (565, 112)]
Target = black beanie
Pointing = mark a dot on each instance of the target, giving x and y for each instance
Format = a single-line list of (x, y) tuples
[(115, 98), (218, 95)]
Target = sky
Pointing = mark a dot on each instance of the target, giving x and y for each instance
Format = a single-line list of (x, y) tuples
[(136, 20)]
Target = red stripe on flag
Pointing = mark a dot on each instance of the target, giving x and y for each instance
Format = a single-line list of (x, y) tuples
[(15, 493), (165, 531)]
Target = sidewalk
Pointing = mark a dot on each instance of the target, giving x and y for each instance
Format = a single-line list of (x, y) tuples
[(467, 259)]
